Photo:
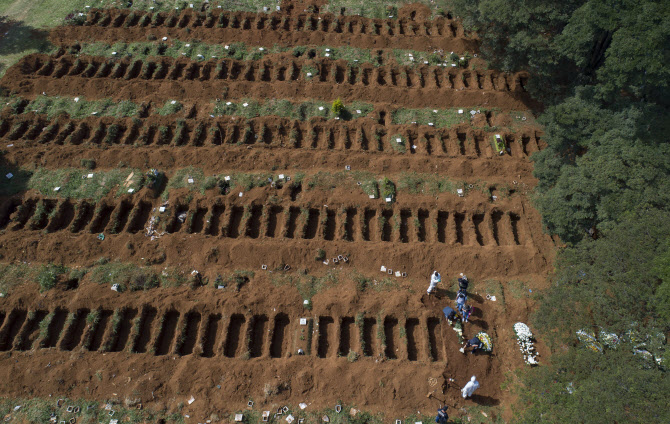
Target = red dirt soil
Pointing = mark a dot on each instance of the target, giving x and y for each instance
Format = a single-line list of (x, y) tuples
[(189, 341), (276, 28)]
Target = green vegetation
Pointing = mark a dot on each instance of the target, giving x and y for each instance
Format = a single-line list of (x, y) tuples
[(73, 183), (382, 9), (191, 178), (49, 275), (38, 410), (77, 107), (126, 275), (440, 118), (199, 51), (398, 143), (415, 183), (603, 187), (286, 109), (387, 189), (170, 107), (337, 107)]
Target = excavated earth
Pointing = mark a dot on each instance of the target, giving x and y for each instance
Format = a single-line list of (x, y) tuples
[(224, 347)]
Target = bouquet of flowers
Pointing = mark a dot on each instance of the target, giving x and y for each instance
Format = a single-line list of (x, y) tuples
[(458, 328), (525, 341)]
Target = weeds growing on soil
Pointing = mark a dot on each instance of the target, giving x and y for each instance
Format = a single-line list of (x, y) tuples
[(440, 118), (49, 275), (126, 275), (415, 183), (198, 51), (38, 410), (75, 184), (81, 108), (302, 111)]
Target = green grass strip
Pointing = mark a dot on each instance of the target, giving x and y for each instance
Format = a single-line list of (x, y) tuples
[(198, 51), (77, 107), (440, 118), (286, 109), (38, 410), (73, 183)]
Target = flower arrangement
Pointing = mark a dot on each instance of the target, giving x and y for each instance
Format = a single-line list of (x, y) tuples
[(588, 337), (458, 328), (525, 341)]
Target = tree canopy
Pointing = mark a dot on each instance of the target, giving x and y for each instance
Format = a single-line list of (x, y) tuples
[(602, 70)]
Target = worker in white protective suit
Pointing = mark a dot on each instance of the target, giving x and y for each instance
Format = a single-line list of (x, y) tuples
[(470, 388), (434, 279)]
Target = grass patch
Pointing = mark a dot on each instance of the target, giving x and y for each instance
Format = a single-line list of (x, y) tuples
[(387, 9), (327, 181), (387, 188), (493, 288), (39, 410), (181, 179), (13, 275), (242, 181), (398, 143), (440, 118), (286, 109), (19, 36), (198, 51), (518, 289), (234, 280), (416, 183), (75, 184), (49, 275), (170, 107), (81, 108), (126, 275)]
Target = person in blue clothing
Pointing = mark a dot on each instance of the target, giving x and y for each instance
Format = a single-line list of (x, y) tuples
[(466, 312), (442, 416), (474, 343), (461, 297), (450, 314)]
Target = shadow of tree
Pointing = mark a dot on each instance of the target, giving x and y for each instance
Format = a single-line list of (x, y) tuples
[(14, 179), (18, 39)]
